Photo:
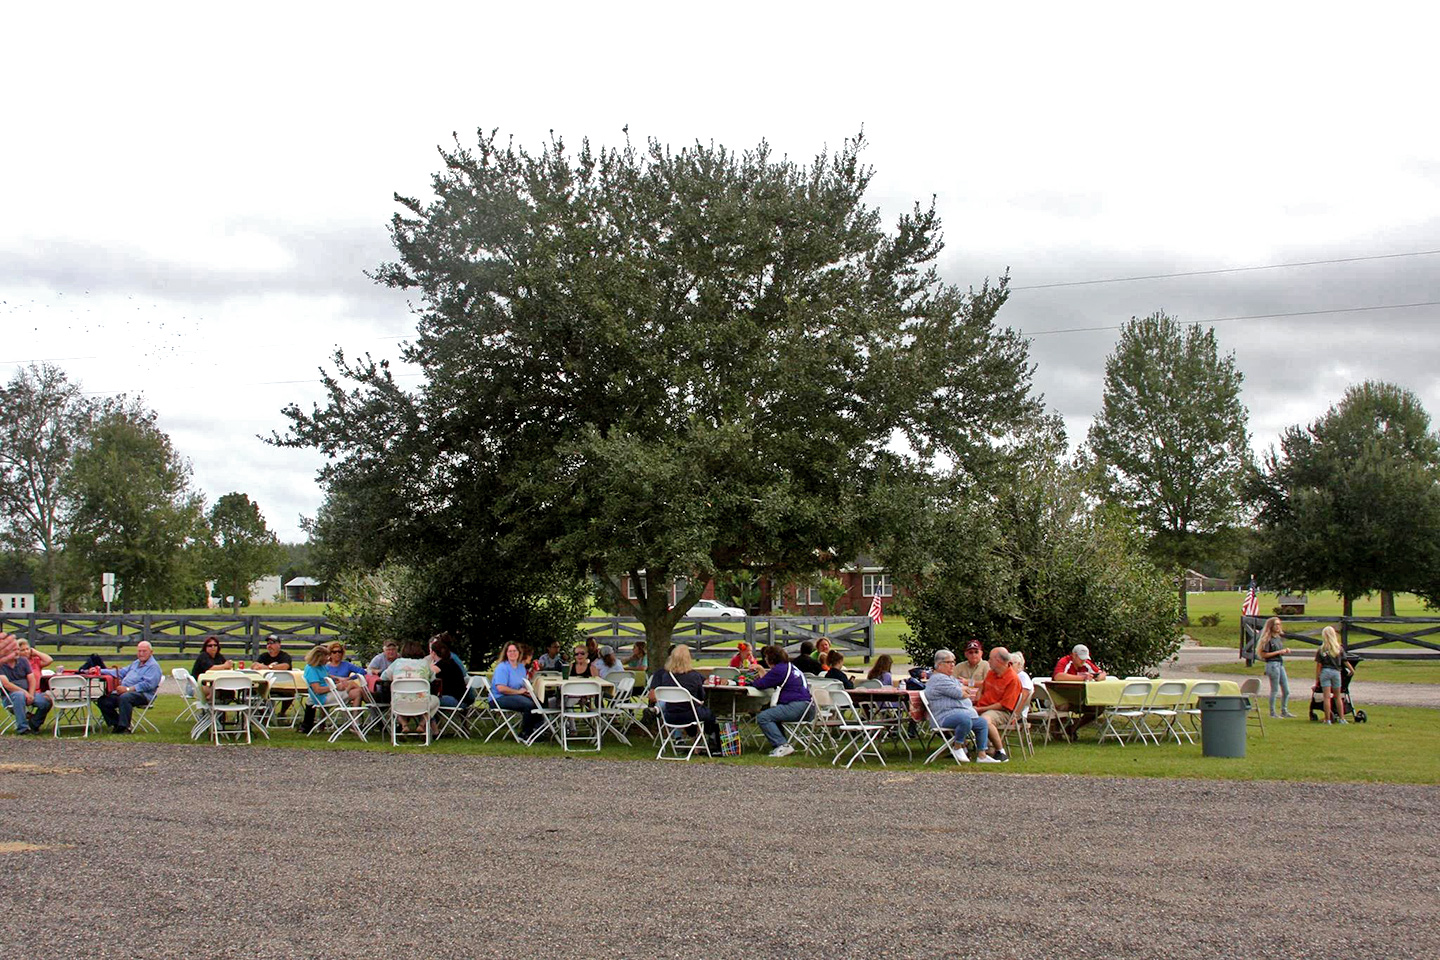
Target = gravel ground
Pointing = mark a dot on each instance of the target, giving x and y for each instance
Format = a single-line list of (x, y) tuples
[(161, 851)]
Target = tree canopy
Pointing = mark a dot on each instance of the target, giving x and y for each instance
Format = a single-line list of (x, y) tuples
[(1351, 503), (1171, 440), (675, 362), (241, 548)]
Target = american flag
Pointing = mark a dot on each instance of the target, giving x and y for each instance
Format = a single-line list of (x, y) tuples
[(1251, 607), (877, 613)]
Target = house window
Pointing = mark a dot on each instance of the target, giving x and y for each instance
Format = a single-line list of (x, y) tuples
[(807, 597), (877, 584), (630, 588), (677, 589), (22, 603)]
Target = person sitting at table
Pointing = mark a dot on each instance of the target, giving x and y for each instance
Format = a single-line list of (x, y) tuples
[(806, 662), (999, 697), (453, 686), (275, 658), (1078, 666), (835, 662), (210, 658), (317, 690), (507, 689), (793, 703), (744, 659), (1018, 660), (582, 665), (609, 663), (38, 661), (388, 654), (138, 685), (412, 664), (637, 659), (29, 706), (680, 672), (349, 679), (972, 672), (551, 659), (953, 710), (880, 670)]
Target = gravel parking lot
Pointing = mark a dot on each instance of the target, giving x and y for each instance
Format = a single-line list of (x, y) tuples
[(133, 849)]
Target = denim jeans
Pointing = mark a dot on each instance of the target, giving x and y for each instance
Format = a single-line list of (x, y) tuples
[(965, 721), (447, 702), (1279, 681), (771, 718), (522, 704), (15, 700), (116, 708)]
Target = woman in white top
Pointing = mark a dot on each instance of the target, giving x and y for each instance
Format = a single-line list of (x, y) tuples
[(1018, 659), (413, 664)]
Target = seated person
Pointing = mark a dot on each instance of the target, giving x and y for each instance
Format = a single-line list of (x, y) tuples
[(38, 662), (744, 659), (349, 679), (582, 665), (972, 672), (835, 660), (1026, 683), (793, 703), (999, 697), (29, 706), (680, 672), (275, 658), (388, 654), (210, 658), (550, 659), (453, 686), (637, 659), (806, 662), (508, 691), (1078, 666), (139, 682), (413, 665), (953, 710), (880, 670), (609, 663)]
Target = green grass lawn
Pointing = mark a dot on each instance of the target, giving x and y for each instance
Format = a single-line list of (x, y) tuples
[(1380, 671), (1398, 745), (1321, 604)]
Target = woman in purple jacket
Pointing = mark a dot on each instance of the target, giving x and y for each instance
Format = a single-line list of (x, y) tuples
[(793, 703)]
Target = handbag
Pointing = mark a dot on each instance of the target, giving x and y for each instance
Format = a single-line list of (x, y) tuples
[(730, 743)]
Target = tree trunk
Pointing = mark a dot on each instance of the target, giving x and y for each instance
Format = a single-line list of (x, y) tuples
[(1184, 601), (52, 577), (1346, 607), (1387, 603)]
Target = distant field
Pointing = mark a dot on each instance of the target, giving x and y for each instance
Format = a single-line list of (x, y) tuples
[(1321, 604)]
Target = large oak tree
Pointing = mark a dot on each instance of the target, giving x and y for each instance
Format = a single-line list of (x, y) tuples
[(662, 363)]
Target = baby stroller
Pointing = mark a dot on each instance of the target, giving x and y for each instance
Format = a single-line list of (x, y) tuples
[(1347, 708)]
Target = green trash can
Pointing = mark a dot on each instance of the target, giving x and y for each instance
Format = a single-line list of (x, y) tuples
[(1222, 726)]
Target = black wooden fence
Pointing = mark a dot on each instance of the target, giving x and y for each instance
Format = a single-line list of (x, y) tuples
[(174, 636), (1359, 635), (716, 636)]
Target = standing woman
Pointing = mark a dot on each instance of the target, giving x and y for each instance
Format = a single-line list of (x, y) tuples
[(1271, 650), (1330, 668)]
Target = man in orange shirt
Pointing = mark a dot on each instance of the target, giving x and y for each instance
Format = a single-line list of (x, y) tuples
[(999, 695)]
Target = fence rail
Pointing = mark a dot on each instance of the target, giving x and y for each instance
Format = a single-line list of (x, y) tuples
[(712, 636), (1351, 628), (170, 634)]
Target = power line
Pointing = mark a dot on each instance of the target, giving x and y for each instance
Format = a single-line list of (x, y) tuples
[(1253, 316), (1208, 273)]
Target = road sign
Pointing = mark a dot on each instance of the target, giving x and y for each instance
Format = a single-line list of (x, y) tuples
[(107, 579), (107, 592)]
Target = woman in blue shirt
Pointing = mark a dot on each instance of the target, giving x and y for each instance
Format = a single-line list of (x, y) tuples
[(507, 689), (349, 679), (793, 703)]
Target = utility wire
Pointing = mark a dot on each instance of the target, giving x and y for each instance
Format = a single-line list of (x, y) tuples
[(1209, 273), (1253, 316)]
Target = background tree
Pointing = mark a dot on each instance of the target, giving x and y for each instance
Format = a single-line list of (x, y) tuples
[(1352, 502), (133, 512), (241, 548), (1171, 442), (668, 362), (1038, 568), (43, 418), (832, 591)]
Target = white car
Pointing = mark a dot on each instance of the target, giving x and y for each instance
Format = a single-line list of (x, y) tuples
[(713, 608)]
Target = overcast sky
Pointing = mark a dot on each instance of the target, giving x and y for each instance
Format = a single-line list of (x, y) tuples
[(191, 192)]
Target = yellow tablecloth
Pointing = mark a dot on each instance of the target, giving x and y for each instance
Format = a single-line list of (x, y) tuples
[(1106, 693), (545, 686)]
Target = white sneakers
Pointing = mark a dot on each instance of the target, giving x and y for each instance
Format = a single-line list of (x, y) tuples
[(986, 758), (784, 750), (959, 754)]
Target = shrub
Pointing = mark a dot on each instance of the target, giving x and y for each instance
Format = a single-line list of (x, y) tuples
[(1210, 620)]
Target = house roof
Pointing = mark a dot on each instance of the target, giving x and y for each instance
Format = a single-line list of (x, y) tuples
[(304, 582), (20, 583)]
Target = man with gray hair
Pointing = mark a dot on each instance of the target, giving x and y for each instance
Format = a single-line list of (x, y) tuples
[(1078, 666), (952, 709), (138, 684)]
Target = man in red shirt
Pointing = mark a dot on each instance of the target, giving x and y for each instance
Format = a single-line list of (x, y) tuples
[(999, 696), (1078, 666)]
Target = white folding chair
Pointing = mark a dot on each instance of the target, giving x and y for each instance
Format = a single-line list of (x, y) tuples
[(341, 716), (236, 705), (725, 673), (671, 732), (70, 697), (189, 690), (282, 691), (1048, 712), (1019, 725), (138, 718), (862, 736), (1164, 706), (410, 698), (1129, 713), (580, 704), (1250, 689), (946, 735), (619, 706), (546, 714), (480, 707), (1191, 709), (457, 718)]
